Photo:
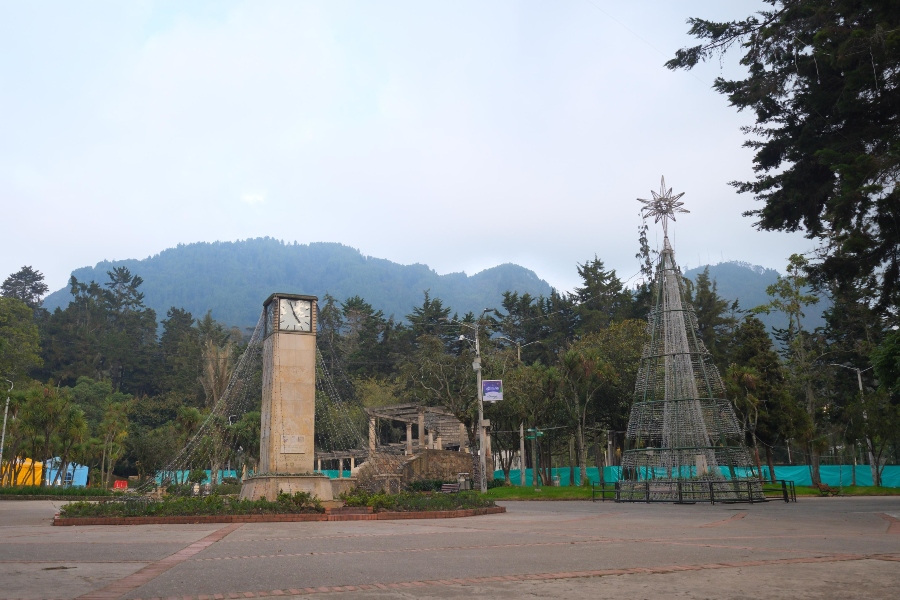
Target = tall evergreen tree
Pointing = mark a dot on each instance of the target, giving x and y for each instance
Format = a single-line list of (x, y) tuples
[(26, 285), (602, 298), (714, 322), (823, 84)]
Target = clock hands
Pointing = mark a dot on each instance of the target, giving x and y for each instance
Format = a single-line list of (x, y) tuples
[(296, 316)]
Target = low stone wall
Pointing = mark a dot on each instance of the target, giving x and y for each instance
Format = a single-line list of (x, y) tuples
[(338, 516)]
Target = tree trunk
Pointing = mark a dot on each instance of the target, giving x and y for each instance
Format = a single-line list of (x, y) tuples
[(598, 458), (873, 462), (770, 459), (758, 464), (571, 460), (814, 464), (102, 467), (579, 441)]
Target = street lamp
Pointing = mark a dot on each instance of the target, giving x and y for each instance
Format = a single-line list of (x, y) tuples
[(476, 366), (3, 436), (869, 446)]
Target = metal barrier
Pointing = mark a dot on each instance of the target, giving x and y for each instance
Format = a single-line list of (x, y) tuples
[(691, 492), (603, 489), (782, 489)]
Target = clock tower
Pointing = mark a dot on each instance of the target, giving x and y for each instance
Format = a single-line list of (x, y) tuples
[(287, 446)]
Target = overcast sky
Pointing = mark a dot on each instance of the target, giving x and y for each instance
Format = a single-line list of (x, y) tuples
[(456, 134)]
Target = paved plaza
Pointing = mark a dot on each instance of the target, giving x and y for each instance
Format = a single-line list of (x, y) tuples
[(817, 548)]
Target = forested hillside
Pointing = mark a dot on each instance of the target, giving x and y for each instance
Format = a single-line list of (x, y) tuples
[(234, 278), (747, 284)]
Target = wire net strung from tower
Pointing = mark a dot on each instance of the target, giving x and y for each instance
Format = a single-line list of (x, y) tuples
[(223, 438), (342, 428), (684, 441), (226, 441)]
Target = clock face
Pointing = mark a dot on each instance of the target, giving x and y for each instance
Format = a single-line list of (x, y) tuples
[(294, 315)]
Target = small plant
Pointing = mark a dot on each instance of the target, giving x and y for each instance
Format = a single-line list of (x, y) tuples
[(197, 476)]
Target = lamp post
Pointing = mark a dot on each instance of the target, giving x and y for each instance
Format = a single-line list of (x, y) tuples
[(3, 436), (869, 446), (476, 366)]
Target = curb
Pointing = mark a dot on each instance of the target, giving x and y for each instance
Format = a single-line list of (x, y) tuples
[(285, 518), (61, 497)]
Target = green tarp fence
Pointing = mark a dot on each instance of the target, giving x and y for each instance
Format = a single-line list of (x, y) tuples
[(833, 475)]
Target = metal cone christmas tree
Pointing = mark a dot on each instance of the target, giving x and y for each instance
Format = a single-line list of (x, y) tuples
[(684, 442)]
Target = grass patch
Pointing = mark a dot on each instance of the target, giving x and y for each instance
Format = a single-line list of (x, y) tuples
[(584, 493), (543, 493), (36, 490), (214, 504), (416, 501), (850, 490)]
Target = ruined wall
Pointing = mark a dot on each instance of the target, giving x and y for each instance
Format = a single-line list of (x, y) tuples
[(441, 464)]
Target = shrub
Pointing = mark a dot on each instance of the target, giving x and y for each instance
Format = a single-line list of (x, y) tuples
[(494, 483), (415, 501), (427, 485), (214, 504)]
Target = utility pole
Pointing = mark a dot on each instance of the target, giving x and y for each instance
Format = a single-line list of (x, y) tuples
[(533, 434), (3, 436), (476, 366)]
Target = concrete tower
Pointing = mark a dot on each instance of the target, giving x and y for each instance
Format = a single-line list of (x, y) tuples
[(287, 450)]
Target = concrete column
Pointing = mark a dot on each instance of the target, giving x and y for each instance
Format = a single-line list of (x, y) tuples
[(340, 468), (430, 441), (318, 464), (421, 429), (371, 435), (409, 449), (352, 464), (463, 438), (439, 445)]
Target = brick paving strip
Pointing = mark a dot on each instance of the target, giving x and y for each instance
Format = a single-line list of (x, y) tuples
[(894, 526), (119, 588), (736, 517), (301, 591)]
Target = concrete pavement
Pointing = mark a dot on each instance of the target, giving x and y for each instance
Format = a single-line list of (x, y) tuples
[(817, 548)]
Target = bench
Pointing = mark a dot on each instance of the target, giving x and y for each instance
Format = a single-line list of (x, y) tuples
[(826, 490), (449, 488)]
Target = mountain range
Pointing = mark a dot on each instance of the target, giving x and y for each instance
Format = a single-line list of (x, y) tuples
[(232, 279), (747, 284)]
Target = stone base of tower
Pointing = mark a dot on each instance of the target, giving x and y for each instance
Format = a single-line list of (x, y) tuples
[(269, 486)]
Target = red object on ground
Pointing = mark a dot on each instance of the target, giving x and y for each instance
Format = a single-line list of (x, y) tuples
[(120, 485)]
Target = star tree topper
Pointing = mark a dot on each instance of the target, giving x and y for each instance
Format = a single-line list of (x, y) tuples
[(663, 206)]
